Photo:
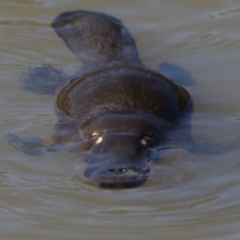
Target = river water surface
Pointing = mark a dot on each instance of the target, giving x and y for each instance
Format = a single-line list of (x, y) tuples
[(188, 196)]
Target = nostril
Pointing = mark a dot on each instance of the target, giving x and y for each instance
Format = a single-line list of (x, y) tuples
[(118, 170)]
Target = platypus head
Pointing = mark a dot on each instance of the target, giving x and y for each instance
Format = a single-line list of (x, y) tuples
[(122, 150), (119, 158)]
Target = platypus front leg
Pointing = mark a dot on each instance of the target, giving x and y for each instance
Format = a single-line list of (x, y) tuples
[(31, 146), (35, 146), (205, 148)]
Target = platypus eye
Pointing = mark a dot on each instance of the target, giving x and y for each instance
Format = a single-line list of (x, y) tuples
[(147, 140), (97, 137)]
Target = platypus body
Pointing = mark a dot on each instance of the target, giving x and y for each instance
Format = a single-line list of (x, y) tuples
[(114, 107), (119, 114)]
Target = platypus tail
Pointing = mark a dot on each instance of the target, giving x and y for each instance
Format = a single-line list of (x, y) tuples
[(96, 38)]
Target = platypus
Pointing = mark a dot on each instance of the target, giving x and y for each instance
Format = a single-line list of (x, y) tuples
[(114, 107)]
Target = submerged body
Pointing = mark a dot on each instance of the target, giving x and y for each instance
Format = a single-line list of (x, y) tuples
[(114, 107)]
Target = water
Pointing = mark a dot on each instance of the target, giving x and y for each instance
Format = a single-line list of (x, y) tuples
[(187, 196)]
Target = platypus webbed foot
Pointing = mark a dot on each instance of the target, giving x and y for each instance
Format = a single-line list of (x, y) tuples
[(42, 80)]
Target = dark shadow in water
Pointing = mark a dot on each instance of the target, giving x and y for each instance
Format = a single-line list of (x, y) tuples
[(122, 185)]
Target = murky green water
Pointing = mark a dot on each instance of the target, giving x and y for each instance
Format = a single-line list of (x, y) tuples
[(187, 196)]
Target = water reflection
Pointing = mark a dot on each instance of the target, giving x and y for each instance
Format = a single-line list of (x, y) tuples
[(188, 196)]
